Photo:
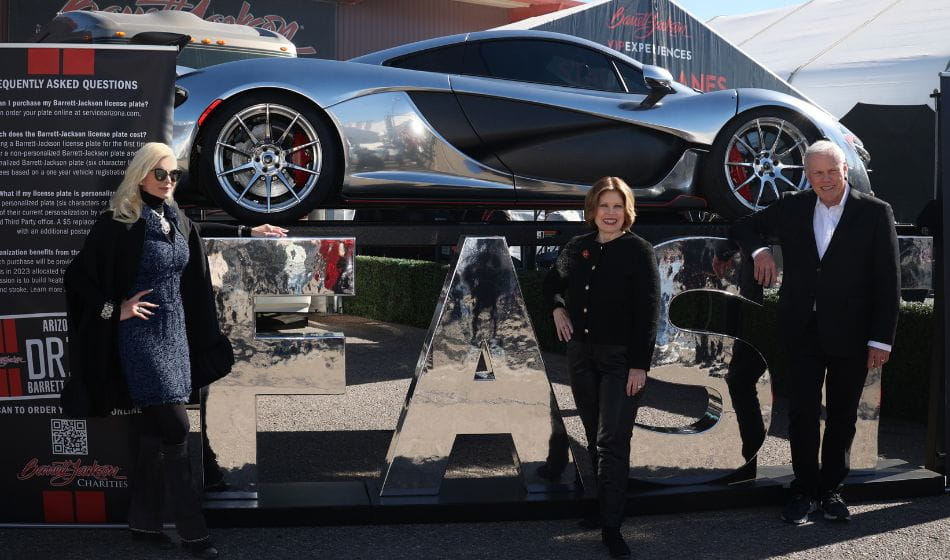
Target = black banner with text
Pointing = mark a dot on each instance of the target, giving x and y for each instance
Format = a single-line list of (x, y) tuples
[(72, 117)]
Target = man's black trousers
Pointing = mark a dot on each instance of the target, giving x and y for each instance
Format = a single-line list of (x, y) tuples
[(844, 384)]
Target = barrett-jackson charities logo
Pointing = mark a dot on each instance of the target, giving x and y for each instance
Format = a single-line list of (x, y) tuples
[(69, 471), (39, 343), (270, 22), (645, 24)]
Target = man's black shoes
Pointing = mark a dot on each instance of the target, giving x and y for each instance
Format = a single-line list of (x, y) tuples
[(614, 541), (834, 507), (797, 509)]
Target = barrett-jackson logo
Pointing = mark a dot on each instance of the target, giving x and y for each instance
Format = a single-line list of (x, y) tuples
[(646, 24), (65, 472), (11, 360), (270, 22)]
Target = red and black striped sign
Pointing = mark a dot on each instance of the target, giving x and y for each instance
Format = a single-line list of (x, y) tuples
[(69, 62), (11, 384)]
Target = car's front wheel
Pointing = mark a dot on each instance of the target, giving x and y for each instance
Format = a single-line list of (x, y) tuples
[(267, 158), (755, 158)]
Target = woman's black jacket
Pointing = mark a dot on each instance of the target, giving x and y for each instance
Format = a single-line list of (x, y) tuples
[(104, 271), (611, 292)]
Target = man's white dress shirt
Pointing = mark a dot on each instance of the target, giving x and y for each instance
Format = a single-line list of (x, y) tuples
[(825, 221)]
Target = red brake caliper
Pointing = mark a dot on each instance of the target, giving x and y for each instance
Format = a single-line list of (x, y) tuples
[(301, 158), (739, 174)]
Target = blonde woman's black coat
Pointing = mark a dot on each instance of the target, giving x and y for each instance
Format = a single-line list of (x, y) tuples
[(104, 271)]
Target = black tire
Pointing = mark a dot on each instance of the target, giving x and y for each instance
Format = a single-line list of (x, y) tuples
[(280, 144), (746, 171)]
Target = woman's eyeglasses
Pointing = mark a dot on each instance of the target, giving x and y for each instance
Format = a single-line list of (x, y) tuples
[(162, 174)]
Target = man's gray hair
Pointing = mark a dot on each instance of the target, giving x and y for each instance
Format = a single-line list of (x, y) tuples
[(826, 148)]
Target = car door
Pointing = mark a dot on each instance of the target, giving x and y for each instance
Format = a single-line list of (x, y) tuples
[(561, 115), (442, 112)]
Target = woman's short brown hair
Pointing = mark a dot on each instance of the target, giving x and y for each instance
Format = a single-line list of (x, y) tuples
[(603, 185)]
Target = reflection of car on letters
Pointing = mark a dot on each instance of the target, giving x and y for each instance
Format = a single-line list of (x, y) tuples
[(502, 119), (202, 43)]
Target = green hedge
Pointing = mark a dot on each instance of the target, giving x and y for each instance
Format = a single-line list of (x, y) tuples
[(405, 292), (396, 290), (907, 376)]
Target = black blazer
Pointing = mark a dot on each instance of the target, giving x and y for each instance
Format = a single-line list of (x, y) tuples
[(854, 289), (104, 271)]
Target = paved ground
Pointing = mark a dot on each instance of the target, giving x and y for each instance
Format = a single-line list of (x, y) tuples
[(889, 530), (380, 360)]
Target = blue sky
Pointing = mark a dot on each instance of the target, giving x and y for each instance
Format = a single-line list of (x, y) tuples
[(705, 9)]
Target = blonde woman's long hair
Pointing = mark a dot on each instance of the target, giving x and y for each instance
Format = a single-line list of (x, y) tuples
[(126, 202)]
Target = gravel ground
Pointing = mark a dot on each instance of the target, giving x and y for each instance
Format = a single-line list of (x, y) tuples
[(380, 362)]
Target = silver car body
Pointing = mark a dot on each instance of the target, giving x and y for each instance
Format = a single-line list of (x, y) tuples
[(363, 94)]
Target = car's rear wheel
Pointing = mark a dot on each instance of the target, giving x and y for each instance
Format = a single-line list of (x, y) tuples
[(268, 158), (755, 158)]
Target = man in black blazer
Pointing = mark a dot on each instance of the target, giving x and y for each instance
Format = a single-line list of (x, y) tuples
[(837, 314)]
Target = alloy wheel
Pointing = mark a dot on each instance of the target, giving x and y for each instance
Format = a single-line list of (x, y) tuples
[(267, 158), (764, 158)]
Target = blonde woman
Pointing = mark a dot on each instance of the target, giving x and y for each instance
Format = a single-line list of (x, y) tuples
[(604, 295), (144, 332)]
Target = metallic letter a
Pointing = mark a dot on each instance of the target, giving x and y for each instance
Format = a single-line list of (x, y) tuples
[(480, 372)]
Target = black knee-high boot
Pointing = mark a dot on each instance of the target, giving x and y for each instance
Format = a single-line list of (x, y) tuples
[(186, 504), (145, 507)]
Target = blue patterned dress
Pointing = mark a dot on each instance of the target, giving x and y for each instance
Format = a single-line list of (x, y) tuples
[(154, 353)]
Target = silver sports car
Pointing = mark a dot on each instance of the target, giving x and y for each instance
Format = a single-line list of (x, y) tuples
[(509, 119)]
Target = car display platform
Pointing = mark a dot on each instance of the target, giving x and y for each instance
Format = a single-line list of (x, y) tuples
[(504, 499)]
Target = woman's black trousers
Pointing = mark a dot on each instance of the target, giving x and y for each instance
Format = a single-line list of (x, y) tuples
[(598, 376)]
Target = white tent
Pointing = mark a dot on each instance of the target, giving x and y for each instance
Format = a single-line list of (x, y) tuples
[(839, 52)]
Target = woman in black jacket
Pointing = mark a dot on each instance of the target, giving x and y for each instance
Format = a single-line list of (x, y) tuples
[(144, 332), (604, 291)]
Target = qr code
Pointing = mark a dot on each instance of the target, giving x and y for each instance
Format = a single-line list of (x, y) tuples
[(69, 437)]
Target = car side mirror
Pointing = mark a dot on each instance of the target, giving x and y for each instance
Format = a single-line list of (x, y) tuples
[(660, 81)]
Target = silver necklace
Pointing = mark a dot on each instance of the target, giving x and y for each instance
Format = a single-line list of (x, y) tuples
[(166, 227)]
